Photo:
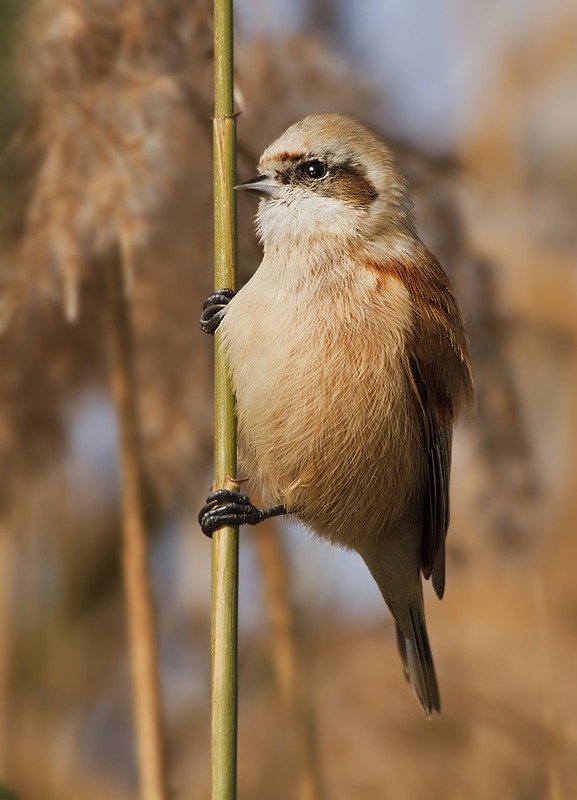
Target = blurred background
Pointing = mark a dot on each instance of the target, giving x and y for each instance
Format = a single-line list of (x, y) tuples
[(105, 135)]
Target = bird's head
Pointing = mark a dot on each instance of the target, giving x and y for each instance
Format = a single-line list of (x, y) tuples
[(328, 175)]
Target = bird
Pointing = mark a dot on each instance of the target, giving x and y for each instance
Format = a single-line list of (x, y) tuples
[(349, 362)]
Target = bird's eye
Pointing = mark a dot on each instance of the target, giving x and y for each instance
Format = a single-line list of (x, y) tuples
[(315, 169)]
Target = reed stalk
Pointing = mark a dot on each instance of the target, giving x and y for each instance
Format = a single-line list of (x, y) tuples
[(289, 659), (143, 658), (225, 540), (6, 617)]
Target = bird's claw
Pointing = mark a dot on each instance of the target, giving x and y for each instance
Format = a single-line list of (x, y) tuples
[(224, 507), (213, 309)]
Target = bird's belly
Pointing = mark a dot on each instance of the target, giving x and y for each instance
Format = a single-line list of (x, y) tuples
[(324, 425)]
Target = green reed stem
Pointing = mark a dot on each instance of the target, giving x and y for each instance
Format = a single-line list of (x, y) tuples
[(225, 540)]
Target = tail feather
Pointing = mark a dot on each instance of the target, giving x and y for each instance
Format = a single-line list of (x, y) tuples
[(418, 661), (394, 566)]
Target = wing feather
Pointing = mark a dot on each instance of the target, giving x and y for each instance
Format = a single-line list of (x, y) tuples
[(436, 436)]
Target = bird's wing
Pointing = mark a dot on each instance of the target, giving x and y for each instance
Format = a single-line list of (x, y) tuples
[(437, 437)]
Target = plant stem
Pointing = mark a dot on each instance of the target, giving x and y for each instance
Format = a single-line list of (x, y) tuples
[(288, 658), (145, 686), (6, 616), (225, 540)]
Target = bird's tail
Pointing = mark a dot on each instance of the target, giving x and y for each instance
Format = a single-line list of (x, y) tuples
[(397, 576), (415, 651)]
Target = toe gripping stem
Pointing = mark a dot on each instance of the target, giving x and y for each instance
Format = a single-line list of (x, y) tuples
[(213, 309), (224, 507)]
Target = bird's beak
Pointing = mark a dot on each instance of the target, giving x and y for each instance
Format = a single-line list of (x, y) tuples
[(263, 185)]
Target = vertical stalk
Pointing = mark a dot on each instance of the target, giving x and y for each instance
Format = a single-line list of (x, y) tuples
[(225, 540), (288, 658), (6, 614), (145, 685)]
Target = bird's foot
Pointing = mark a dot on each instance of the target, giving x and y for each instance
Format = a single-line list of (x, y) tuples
[(224, 507), (213, 309)]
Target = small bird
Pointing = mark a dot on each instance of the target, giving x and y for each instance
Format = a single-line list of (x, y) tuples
[(349, 361)]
